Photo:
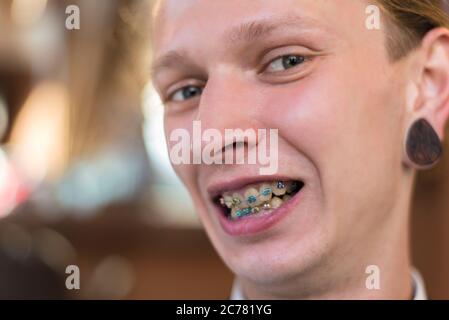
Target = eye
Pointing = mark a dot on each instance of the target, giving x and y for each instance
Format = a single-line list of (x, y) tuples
[(186, 93), (285, 63)]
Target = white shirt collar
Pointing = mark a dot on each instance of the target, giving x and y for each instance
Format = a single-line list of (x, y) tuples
[(419, 288)]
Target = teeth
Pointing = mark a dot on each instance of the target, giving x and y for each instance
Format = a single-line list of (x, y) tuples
[(257, 198), (243, 212), (237, 201), (279, 188), (276, 202), (265, 192), (227, 200), (234, 213), (238, 213), (255, 210), (252, 197)]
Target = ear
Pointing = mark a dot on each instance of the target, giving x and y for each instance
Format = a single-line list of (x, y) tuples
[(434, 80)]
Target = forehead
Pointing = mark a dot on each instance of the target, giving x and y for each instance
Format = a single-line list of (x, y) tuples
[(180, 25)]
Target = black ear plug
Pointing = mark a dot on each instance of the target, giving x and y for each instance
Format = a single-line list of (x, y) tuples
[(423, 146)]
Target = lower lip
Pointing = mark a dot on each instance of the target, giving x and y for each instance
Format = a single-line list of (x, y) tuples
[(257, 223)]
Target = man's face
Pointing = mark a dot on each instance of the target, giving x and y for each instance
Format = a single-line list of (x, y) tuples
[(312, 70)]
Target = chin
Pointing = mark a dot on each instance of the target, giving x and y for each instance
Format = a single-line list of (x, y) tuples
[(277, 256)]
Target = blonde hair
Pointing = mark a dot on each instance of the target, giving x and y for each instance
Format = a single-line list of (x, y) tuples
[(409, 21)]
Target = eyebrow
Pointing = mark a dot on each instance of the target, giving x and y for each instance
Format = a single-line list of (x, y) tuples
[(246, 32), (169, 60), (254, 30)]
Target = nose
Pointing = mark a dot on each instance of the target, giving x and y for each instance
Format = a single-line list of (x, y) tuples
[(229, 102)]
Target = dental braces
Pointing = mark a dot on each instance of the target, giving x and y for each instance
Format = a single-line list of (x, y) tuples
[(235, 202)]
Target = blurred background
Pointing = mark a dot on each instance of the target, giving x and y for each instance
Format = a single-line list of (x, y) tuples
[(84, 174)]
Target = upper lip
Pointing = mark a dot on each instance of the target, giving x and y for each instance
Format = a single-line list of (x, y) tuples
[(217, 188)]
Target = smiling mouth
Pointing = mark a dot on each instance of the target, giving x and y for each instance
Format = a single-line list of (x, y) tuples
[(257, 199)]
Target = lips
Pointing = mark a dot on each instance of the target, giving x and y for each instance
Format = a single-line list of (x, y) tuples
[(255, 206)]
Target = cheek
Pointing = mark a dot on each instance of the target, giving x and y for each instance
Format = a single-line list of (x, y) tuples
[(348, 127), (178, 124)]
